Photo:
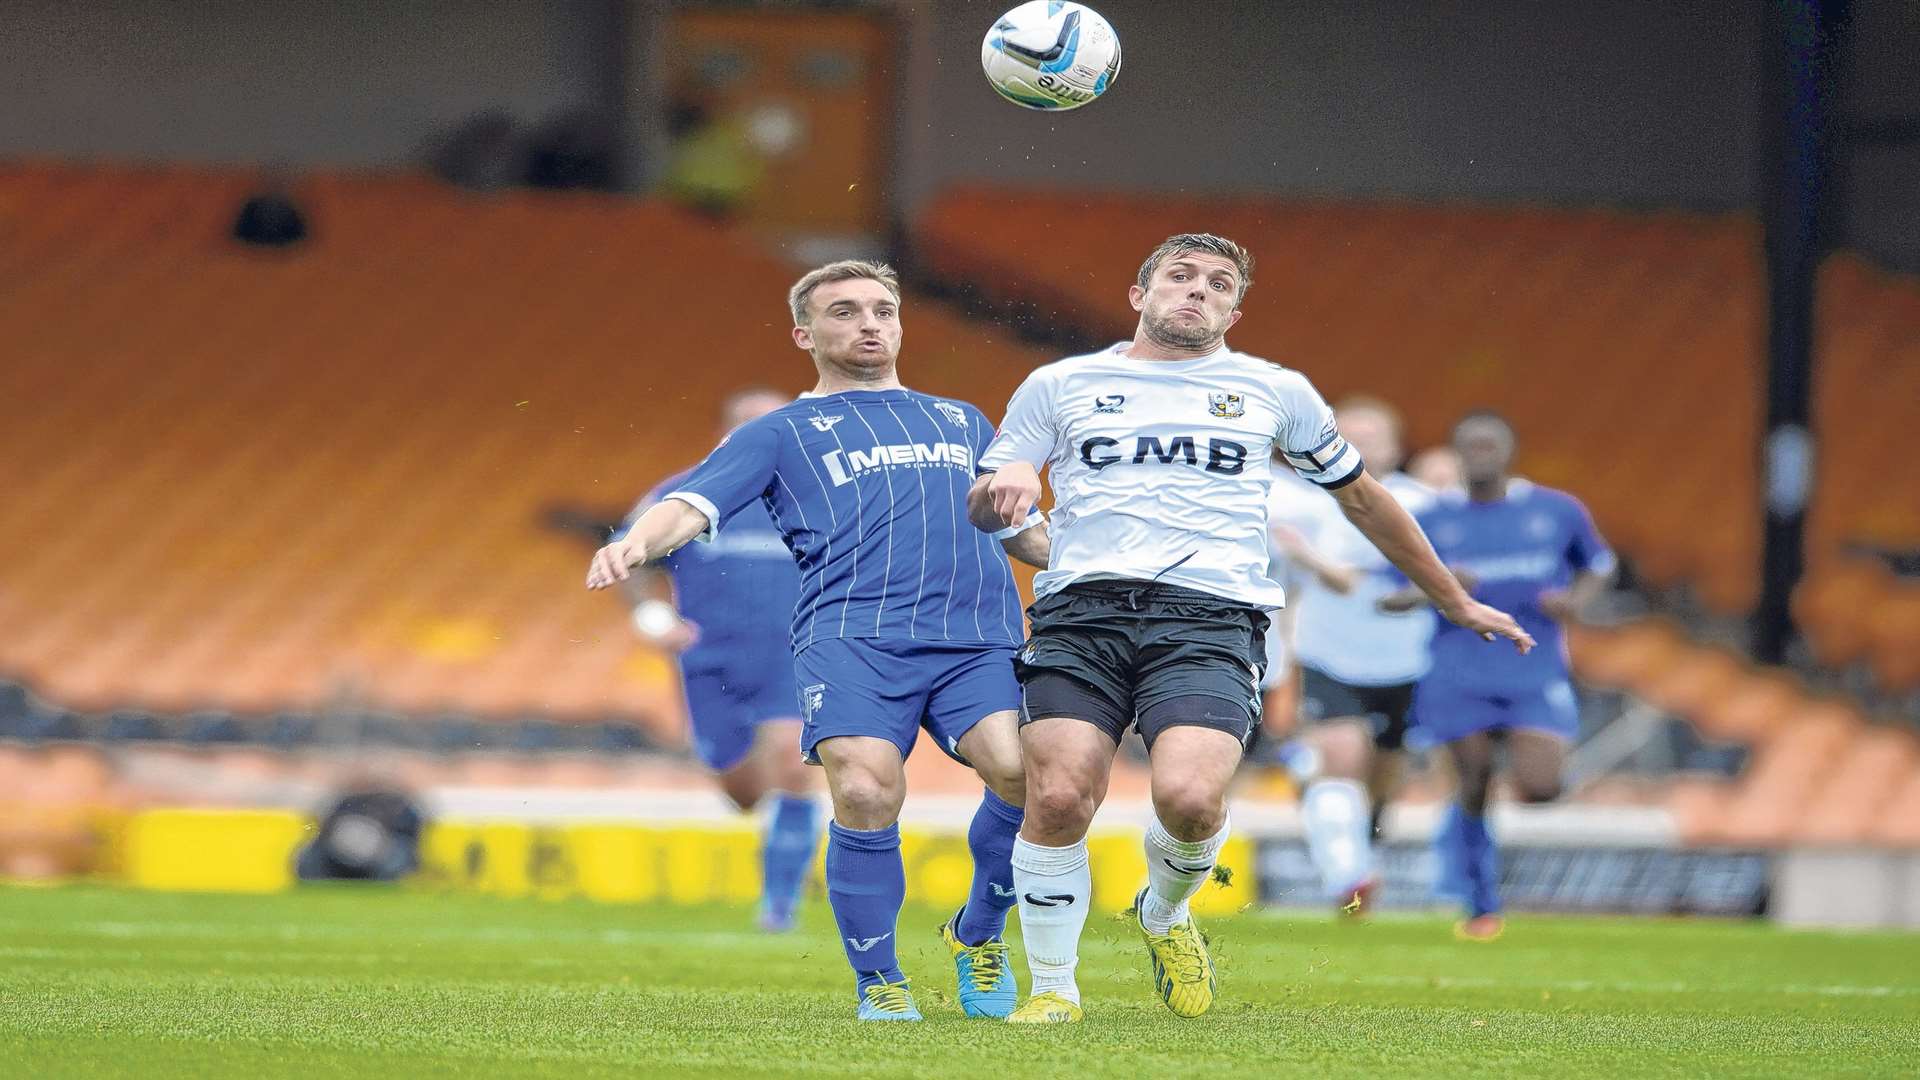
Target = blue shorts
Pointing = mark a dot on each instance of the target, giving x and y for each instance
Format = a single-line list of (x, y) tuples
[(727, 704), (890, 689), (1444, 711)]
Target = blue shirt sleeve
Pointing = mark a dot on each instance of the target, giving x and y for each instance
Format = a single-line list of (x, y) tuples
[(738, 471), (1586, 551)]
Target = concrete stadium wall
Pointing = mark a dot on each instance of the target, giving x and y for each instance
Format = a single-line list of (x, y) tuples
[(1617, 100), (346, 82)]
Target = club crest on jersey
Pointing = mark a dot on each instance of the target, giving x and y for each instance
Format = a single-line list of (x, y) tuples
[(825, 423), (954, 413), (1225, 405)]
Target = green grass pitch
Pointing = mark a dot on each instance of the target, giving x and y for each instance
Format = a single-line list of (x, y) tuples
[(347, 982)]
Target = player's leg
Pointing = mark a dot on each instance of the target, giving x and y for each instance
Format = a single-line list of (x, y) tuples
[(1076, 701), (1544, 725), (1335, 808), (1468, 842), (792, 831), (866, 881), (1069, 762), (861, 721), (1198, 699), (972, 711)]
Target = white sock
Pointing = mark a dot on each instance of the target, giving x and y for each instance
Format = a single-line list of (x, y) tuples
[(1175, 871), (1056, 889), (1335, 812)]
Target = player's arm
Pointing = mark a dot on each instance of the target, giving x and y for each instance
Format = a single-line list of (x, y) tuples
[(1380, 517), (738, 471), (1335, 575), (655, 617), (1008, 488), (1593, 568), (666, 526), (1031, 545)]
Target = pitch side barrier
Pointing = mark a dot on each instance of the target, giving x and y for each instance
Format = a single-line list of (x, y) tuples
[(690, 847)]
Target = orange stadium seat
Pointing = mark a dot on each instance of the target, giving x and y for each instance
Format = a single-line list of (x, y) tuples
[(295, 480)]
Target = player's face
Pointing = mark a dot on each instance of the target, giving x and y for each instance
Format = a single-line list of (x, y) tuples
[(1486, 451), (1190, 301), (748, 407), (855, 327), (1437, 467), (1373, 435)]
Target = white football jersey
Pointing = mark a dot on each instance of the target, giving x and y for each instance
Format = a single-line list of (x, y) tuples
[(1342, 635), (1160, 468)]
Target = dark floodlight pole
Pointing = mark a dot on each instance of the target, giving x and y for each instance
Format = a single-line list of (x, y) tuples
[(1798, 88)]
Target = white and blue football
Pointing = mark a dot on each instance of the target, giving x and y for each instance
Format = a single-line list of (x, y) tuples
[(1051, 54)]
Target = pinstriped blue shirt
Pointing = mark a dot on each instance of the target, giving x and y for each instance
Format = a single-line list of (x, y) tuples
[(868, 489)]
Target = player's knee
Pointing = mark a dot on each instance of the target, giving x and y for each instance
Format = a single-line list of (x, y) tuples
[(1537, 789), (1346, 751), (1190, 811), (1058, 805), (866, 799)]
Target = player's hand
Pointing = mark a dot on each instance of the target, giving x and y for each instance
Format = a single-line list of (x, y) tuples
[(669, 633), (1014, 491), (1291, 541), (1557, 604), (1489, 623), (611, 564)]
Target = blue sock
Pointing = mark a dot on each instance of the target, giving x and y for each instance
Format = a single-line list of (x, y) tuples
[(793, 828), (866, 884), (1450, 882), (1482, 862), (990, 838)]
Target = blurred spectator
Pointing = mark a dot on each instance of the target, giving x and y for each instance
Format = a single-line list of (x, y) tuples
[(715, 167), (1438, 467)]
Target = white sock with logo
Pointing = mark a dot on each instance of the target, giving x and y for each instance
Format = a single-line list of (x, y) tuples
[(1055, 887), (1339, 833), (1175, 871)]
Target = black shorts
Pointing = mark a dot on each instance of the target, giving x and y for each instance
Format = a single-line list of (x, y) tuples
[(1384, 708), (1119, 654)]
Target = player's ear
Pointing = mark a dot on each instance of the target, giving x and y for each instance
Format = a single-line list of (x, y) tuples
[(1234, 317), (803, 337), (1137, 296)]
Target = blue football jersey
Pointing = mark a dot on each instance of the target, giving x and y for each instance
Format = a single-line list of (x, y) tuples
[(739, 590), (869, 490), (1533, 541)]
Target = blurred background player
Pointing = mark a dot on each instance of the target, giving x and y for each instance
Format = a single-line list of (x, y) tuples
[(1358, 666), (907, 617), (1533, 551), (728, 618), (1437, 467)]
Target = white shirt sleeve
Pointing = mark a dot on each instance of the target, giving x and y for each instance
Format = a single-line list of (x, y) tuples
[(1308, 438), (1030, 431)]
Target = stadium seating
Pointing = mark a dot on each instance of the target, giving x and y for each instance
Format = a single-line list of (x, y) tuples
[(1623, 345), (1820, 772), (313, 479)]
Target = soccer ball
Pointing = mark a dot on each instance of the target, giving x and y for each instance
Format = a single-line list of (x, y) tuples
[(1051, 54)]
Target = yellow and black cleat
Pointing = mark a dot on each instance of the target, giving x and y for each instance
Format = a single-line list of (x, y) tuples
[(1047, 1008), (1182, 970)]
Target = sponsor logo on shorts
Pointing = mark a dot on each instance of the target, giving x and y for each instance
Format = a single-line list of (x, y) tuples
[(811, 699)]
